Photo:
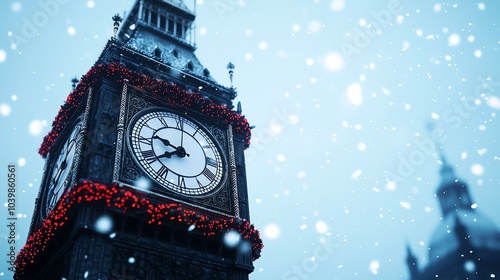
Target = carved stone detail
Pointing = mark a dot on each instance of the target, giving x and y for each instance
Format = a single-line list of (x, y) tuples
[(124, 268), (148, 264), (232, 171), (219, 135), (137, 104), (182, 269), (220, 200), (120, 133), (130, 170)]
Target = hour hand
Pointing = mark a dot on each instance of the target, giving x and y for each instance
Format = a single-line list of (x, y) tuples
[(167, 154)]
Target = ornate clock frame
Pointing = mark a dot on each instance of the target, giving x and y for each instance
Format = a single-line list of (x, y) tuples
[(127, 172)]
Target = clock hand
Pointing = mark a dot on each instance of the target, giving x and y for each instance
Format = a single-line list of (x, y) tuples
[(167, 154), (182, 131), (57, 176), (164, 141), (181, 152)]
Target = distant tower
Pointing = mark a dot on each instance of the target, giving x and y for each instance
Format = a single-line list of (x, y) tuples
[(145, 171), (466, 244)]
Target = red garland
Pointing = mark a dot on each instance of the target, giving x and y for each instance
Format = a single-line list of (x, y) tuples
[(125, 200), (170, 92)]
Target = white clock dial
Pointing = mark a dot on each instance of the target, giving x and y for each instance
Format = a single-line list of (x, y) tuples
[(61, 171), (177, 153)]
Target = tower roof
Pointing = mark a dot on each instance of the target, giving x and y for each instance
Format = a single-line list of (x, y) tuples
[(481, 230), (453, 193), (159, 36), (447, 173), (463, 233), (179, 4), (456, 205)]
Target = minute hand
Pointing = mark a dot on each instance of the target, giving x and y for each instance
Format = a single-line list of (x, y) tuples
[(164, 141)]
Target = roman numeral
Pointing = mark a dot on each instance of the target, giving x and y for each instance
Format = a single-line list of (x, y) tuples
[(162, 172), (211, 162), (179, 123), (199, 183), (145, 140), (196, 131), (162, 121), (148, 126), (149, 156), (209, 174), (181, 183)]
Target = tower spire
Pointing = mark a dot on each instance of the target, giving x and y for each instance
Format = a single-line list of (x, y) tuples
[(117, 19), (452, 192), (230, 67), (447, 173), (74, 82)]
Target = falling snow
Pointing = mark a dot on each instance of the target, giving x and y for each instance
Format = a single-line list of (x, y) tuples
[(477, 169), (334, 62), (36, 127), (271, 231), (16, 7), (71, 31), (351, 103), (232, 239), (104, 224), (3, 56), (5, 109)]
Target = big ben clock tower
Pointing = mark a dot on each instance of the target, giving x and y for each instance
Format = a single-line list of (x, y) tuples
[(145, 173)]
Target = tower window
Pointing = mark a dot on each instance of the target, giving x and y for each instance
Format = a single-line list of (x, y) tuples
[(146, 15), (190, 66), (163, 22), (175, 53), (157, 52), (206, 73), (171, 25), (154, 18), (178, 28)]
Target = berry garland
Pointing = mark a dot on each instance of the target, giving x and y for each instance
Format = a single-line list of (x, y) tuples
[(127, 200), (169, 92)]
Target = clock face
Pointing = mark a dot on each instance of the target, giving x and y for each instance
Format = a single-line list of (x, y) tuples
[(177, 153), (61, 171)]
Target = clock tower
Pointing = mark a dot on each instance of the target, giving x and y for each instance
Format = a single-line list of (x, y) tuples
[(145, 172), (466, 243)]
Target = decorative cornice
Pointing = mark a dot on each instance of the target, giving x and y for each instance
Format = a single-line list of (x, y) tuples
[(168, 92)]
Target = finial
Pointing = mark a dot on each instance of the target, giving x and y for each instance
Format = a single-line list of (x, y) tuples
[(230, 67), (433, 130), (238, 108), (74, 81), (446, 171), (117, 19)]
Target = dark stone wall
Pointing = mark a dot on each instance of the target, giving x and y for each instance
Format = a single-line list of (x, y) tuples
[(100, 138)]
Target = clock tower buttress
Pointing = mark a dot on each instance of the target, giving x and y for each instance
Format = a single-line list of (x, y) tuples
[(145, 171)]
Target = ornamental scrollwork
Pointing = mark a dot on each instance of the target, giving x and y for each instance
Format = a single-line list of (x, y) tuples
[(130, 171), (220, 136)]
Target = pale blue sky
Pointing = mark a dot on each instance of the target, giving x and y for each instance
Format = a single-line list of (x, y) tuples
[(340, 94)]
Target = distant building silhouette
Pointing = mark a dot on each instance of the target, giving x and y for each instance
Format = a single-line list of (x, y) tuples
[(466, 244)]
